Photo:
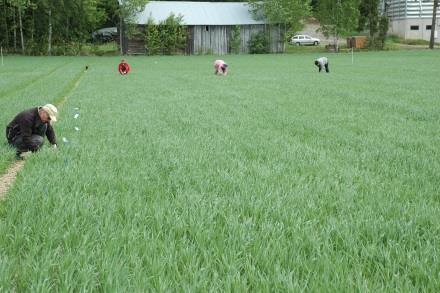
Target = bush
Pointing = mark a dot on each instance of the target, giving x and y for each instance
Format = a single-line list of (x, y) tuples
[(376, 41), (235, 41), (168, 37), (258, 43)]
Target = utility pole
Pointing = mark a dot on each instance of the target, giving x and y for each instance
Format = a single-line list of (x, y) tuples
[(434, 16)]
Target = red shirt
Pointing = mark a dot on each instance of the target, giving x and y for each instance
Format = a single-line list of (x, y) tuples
[(123, 68)]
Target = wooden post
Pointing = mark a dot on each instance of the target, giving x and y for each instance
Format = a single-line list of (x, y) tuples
[(352, 55)]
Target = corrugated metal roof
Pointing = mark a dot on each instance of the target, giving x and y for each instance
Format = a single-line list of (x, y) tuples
[(199, 13)]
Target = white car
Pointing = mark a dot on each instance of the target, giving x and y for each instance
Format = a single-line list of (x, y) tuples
[(304, 40)]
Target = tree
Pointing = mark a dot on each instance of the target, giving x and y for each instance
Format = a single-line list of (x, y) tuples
[(20, 5), (377, 24), (258, 43), (53, 26), (153, 42), (290, 13), (235, 40), (4, 36), (434, 16), (127, 12), (174, 34), (167, 37), (337, 18)]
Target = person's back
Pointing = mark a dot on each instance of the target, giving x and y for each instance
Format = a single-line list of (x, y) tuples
[(123, 67), (220, 67), (322, 62)]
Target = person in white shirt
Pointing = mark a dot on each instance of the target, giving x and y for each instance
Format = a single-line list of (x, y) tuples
[(322, 62), (221, 68)]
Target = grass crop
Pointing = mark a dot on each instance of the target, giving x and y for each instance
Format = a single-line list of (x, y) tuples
[(274, 178), (31, 82)]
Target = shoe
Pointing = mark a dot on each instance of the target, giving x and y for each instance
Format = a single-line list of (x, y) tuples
[(22, 155)]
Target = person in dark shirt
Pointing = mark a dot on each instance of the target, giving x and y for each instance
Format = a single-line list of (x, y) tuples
[(27, 130)]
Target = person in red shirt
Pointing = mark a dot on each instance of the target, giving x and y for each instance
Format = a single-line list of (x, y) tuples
[(123, 67)]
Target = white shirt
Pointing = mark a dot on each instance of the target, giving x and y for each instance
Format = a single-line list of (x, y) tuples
[(322, 61)]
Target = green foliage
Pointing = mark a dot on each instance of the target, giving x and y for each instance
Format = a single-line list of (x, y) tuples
[(377, 38), (235, 40), (129, 8), (173, 34), (67, 22), (382, 33), (290, 13), (369, 16), (337, 17), (153, 42), (287, 181), (258, 43), (168, 37), (110, 48)]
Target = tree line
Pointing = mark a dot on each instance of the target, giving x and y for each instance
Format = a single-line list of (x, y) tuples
[(60, 27), (47, 27)]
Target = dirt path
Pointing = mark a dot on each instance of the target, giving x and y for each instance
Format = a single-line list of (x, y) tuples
[(7, 179)]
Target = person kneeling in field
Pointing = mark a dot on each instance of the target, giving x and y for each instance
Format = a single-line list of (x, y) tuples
[(221, 68), (27, 130), (123, 67), (322, 62)]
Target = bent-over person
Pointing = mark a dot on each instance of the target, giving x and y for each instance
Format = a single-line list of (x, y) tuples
[(27, 130)]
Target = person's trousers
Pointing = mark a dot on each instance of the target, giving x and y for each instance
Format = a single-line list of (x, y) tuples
[(36, 141), (326, 68)]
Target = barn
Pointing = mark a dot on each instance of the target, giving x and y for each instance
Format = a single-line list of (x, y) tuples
[(209, 26)]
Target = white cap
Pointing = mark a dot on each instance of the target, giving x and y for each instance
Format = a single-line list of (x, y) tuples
[(51, 110)]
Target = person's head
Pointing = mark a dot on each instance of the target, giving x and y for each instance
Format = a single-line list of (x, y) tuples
[(316, 63), (48, 113), (122, 60)]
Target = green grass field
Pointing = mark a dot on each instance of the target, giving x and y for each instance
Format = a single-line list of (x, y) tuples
[(274, 178)]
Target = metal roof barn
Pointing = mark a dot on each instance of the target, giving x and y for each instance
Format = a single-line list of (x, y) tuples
[(199, 13), (209, 25)]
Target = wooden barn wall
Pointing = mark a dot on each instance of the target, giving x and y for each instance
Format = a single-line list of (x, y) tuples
[(214, 39), (276, 38), (210, 39), (275, 34), (246, 31)]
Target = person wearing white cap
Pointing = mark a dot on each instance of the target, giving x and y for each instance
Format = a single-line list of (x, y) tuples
[(27, 130)]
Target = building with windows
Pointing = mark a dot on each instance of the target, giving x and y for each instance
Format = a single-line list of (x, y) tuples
[(411, 19)]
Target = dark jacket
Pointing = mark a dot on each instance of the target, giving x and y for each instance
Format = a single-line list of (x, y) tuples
[(29, 123)]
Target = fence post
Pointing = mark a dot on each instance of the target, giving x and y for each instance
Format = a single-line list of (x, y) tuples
[(352, 56)]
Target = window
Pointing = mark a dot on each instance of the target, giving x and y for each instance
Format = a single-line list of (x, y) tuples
[(414, 27), (428, 27)]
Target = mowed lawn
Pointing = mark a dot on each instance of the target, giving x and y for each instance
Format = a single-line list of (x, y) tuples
[(274, 178)]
